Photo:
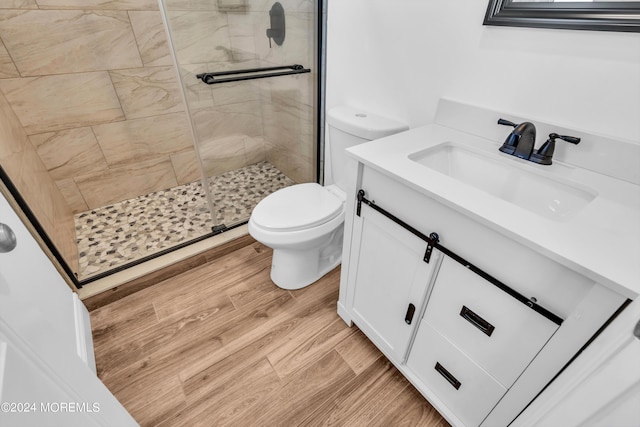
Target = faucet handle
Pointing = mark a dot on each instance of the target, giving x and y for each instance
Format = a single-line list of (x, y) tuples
[(544, 154), (509, 145), (506, 123), (548, 147), (571, 139)]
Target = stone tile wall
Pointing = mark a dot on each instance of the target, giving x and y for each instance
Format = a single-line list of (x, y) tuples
[(92, 83), (93, 86), (28, 173)]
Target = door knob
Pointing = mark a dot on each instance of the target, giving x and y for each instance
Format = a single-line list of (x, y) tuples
[(8, 239)]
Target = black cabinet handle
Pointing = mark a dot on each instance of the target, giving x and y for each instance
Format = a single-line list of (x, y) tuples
[(477, 321), (447, 376), (410, 312)]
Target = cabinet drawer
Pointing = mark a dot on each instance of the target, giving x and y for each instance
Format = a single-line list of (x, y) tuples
[(463, 386), (498, 332)]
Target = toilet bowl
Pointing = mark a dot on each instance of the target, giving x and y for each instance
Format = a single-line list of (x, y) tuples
[(304, 223)]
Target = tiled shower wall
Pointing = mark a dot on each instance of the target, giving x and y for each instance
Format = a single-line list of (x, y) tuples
[(92, 84), (29, 175)]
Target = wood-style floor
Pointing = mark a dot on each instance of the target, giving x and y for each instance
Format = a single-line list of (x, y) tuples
[(222, 345)]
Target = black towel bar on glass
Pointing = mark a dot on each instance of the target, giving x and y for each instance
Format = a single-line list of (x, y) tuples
[(213, 78)]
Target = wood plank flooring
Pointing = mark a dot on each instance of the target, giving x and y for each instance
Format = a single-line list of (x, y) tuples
[(220, 345)]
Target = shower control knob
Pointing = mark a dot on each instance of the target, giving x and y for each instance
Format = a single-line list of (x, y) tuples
[(8, 239)]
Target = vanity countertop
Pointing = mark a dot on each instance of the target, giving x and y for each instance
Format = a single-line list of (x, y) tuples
[(601, 241)]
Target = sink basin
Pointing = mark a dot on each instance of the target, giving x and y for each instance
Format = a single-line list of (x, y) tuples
[(506, 179)]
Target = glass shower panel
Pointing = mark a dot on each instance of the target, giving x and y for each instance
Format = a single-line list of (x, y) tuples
[(257, 135)]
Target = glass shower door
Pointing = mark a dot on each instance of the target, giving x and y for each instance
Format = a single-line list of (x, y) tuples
[(254, 127)]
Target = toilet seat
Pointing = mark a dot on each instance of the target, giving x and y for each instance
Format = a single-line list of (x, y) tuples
[(299, 207)]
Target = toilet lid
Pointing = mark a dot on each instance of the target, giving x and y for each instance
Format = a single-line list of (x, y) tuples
[(297, 207)]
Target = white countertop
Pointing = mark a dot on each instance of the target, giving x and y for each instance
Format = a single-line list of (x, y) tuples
[(601, 241)]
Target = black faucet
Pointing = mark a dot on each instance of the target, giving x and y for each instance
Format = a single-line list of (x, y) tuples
[(522, 139), (520, 142)]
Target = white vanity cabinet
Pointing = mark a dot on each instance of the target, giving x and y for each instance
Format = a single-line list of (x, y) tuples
[(493, 321)]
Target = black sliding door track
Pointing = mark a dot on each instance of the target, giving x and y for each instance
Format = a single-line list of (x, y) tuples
[(22, 204), (432, 241)]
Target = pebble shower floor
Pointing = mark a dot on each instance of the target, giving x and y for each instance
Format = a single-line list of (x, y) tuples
[(123, 232)]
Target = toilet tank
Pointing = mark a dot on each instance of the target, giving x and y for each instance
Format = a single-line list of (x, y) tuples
[(350, 126)]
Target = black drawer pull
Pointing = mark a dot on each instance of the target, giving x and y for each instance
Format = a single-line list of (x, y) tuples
[(477, 321), (410, 312), (447, 376)]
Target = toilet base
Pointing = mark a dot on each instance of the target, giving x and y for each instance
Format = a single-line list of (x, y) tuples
[(296, 268)]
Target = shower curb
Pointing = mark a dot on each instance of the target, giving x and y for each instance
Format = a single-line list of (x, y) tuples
[(135, 285)]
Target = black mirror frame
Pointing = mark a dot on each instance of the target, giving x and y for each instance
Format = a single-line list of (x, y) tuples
[(597, 16)]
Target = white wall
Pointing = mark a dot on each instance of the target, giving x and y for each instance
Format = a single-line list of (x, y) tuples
[(399, 57)]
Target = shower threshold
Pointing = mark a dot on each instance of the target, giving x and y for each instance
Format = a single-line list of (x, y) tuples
[(115, 236)]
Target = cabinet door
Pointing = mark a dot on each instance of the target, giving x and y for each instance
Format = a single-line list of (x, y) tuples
[(390, 283)]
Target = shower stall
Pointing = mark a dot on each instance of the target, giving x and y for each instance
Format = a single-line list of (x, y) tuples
[(146, 126)]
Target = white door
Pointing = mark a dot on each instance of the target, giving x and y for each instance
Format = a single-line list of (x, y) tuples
[(34, 300), (602, 386), (44, 380), (30, 393)]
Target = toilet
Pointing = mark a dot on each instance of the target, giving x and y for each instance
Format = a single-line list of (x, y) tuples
[(304, 223)]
